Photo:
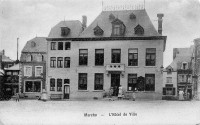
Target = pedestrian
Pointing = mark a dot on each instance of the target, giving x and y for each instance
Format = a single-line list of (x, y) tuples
[(181, 93), (17, 97), (120, 92), (134, 97)]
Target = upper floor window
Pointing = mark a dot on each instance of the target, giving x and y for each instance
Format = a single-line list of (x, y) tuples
[(116, 56), (60, 62), (67, 62), (53, 62), (27, 70), (118, 28), (53, 45), (139, 30), (67, 45), (65, 31), (83, 57), (99, 57), (29, 58), (60, 45), (169, 79), (38, 70), (184, 65), (150, 56), (132, 57)]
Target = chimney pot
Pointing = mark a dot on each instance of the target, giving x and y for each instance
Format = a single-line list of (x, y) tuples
[(160, 16), (3, 52)]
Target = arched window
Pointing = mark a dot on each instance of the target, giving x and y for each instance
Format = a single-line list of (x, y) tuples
[(139, 30)]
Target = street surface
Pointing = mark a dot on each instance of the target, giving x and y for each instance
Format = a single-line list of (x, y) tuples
[(99, 112)]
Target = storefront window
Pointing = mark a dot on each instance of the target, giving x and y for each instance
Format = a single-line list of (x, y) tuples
[(33, 86)]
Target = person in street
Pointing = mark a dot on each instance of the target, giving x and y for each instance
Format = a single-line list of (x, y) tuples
[(111, 92), (134, 97), (181, 95), (17, 97), (120, 92)]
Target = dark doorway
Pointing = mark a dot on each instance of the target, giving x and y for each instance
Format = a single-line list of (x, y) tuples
[(115, 82), (66, 91)]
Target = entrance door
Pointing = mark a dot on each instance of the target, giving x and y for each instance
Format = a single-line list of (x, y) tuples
[(66, 91), (115, 82)]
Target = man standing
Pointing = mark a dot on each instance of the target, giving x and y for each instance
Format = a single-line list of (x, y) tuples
[(17, 97)]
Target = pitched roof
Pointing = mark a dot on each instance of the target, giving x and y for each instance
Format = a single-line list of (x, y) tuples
[(5, 58), (15, 67), (104, 22), (183, 55), (37, 44), (75, 27)]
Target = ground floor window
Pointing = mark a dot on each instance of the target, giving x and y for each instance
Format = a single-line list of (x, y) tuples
[(59, 85), (52, 84), (132, 82), (168, 91), (32, 86), (98, 83), (149, 82), (82, 82)]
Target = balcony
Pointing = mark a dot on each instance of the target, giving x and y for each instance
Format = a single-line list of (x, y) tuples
[(115, 67)]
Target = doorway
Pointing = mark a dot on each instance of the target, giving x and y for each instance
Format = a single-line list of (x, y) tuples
[(66, 91), (115, 82)]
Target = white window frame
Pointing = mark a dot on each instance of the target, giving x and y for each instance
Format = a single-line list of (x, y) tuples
[(25, 70), (36, 70), (32, 81)]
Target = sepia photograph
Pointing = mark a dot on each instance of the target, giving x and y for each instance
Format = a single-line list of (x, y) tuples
[(99, 62)]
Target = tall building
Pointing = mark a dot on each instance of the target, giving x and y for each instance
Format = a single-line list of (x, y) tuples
[(178, 75), (196, 68), (33, 67), (117, 48)]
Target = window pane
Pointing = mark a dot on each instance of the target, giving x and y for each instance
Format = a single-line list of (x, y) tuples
[(67, 62), (132, 82), (67, 45), (59, 84), (28, 86), (150, 56), (116, 56), (52, 84), (60, 45), (82, 81), (37, 86), (150, 82), (83, 57), (99, 57), (98, 81)]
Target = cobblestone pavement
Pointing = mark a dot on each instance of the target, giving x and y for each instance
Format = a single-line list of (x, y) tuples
[(99, 112)]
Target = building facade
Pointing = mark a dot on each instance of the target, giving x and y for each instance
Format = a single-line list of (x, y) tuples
[(118, 48), (178, 75), (33, 67)]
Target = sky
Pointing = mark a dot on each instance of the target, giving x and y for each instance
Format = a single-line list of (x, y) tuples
[(26, 19)]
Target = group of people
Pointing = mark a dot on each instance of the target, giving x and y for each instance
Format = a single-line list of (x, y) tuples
[(183, 96), (120, 94)]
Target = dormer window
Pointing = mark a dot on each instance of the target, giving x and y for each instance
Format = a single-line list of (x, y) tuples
[(132, 16), (65, 31), (139, 30), (33, 44), (184, 65), (98, 31), (118, 28), (111, 17)]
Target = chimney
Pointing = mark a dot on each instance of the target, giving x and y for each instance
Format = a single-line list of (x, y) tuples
[(3, 52), (160, 16), (84, 22)]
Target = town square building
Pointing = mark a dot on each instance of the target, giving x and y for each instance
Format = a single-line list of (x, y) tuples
[(33, 68), (118, 48)]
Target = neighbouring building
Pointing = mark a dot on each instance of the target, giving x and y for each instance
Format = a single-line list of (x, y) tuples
[(6, 61), (11, 84), (33, 67), (196, 68), (178, 75), (117, 48)]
